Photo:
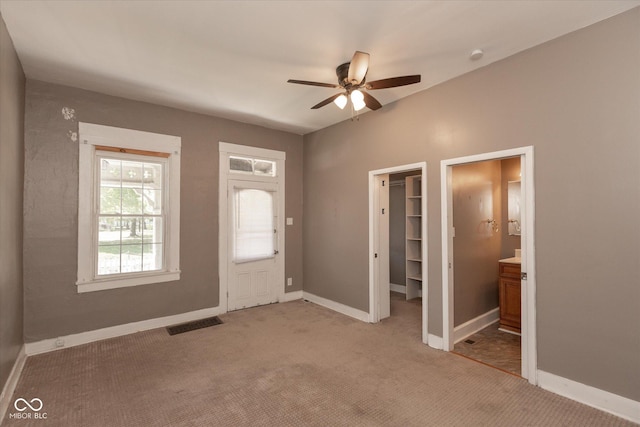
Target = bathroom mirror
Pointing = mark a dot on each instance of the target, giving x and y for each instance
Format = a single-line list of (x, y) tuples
[(513, 194)]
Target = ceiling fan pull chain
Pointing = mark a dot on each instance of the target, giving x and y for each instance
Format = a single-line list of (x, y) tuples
[(354, 113)]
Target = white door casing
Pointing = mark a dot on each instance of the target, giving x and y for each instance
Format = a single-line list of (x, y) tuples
[(374, 232), (226, 150), (528, 301)]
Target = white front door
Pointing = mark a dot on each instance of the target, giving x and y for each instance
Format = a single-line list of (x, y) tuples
[(252, 244)]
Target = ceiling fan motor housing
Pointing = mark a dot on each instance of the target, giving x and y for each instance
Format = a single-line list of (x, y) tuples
[(342, 71)]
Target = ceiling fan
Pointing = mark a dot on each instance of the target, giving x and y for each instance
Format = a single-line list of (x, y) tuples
[(352, 78)]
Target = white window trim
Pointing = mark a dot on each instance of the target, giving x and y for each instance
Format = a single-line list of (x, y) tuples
[(90, 136)]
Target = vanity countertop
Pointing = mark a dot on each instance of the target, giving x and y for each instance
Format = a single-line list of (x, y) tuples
[(512, 260)]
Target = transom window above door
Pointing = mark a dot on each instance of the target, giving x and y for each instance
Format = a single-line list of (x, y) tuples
[(252, 166)]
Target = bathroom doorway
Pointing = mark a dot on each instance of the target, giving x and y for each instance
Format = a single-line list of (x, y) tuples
[(474, 242), (486, 221)]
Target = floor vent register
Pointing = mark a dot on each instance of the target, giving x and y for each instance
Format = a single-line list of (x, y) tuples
[(192, 326)]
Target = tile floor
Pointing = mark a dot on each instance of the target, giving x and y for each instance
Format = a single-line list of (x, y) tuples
[(493, 347)]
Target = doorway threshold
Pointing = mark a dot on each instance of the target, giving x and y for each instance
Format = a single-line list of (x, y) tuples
[(486, 364)]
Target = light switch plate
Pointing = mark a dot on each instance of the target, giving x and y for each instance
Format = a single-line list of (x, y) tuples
[(289, 221)]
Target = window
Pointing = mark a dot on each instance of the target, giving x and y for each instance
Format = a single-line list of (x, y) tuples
[(128, 213)]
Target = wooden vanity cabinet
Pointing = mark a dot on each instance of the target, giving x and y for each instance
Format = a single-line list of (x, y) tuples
[(509, 290)]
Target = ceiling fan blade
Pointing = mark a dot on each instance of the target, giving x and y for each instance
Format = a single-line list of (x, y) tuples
[(358, 67), (393, 82), (326, 101), (304, 82), (370, 101)]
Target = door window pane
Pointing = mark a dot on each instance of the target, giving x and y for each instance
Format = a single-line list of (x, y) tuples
[(254, 236)]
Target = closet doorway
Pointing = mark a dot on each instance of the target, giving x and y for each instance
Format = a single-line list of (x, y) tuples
[(382, 238)]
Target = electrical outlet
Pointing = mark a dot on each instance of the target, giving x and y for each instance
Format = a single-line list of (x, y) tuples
[(59, 343), (289, 281)]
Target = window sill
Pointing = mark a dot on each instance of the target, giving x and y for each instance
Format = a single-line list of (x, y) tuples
[(125, 282)]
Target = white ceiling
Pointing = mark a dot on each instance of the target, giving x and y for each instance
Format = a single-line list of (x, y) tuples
[(232, 59)]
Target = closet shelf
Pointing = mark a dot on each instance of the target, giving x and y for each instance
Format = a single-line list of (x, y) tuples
[(413, 258)]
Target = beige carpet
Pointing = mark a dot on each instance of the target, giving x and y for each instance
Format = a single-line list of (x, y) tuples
[(292, 364)]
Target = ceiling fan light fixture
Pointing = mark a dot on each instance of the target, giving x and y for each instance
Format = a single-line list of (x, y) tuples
[(357, 99), (341, 101), (352, 84)]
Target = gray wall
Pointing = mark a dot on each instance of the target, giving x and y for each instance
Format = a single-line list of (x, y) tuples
[(476, 246), (52, 303), (397, 242), (12, 84), (576, 99)]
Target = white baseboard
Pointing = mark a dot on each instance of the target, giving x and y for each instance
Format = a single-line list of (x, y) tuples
[(402, 289), (12, 381), (336, 306), (469, 328), (435, 341), (291, 296), (605, 401), (73, 340)]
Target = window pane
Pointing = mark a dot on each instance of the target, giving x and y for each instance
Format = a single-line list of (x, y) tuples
[(108, 259), (152, 175), (132, 173), (109, 231), (265, 168), (153, 230), (110, 200), (132, 201), (110, 172), (131, 257), (253, 224), (132, 245), (240, 164), (152, 201), (152, 257), (152, 188)]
